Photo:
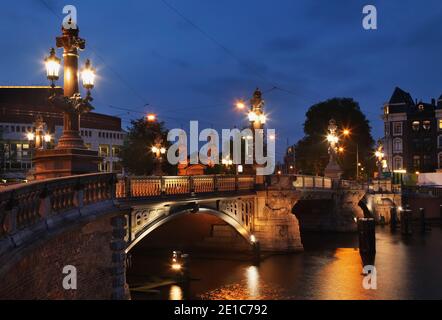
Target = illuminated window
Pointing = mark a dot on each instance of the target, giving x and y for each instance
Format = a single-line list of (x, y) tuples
[(415, 125), (440, 124), (103, 151)]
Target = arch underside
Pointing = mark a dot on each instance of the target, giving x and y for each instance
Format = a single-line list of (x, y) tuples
[(165, 219)]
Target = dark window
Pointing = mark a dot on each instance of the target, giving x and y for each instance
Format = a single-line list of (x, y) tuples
[(416, 162), (426, 125)]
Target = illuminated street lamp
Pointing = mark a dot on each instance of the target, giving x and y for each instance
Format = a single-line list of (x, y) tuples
[(151, 117), (256, 114), (52, 63), (88, 78), (30, 136), (379, 154), (240, 104), (332, 170), (71, 102), (158, 151)]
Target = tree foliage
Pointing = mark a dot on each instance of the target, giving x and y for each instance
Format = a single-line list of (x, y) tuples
[(136, 154), (312, 150)]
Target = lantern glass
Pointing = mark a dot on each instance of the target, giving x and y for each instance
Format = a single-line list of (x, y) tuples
[(52, 64), (88, 76), (252, 116)]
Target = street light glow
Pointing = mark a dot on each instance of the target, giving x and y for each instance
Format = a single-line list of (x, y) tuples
[(151, 117), (47, 137), (155, 149), (162, 150), (52, 64), (252, 116), (332, 138), (263, 118), (30, 136), (346, 132), (240, 104), (88, 75)]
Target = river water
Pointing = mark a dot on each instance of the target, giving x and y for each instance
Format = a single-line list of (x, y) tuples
[(329, 268)]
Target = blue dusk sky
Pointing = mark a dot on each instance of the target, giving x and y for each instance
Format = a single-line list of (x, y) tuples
[(190, 59)]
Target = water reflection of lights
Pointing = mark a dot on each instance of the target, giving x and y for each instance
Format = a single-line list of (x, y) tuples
[(175, 293), (252, 275)]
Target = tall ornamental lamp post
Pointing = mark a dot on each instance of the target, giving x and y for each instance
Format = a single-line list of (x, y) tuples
[(333, 170), (379, 154), (257, 119), (70, 156), (158, 151)]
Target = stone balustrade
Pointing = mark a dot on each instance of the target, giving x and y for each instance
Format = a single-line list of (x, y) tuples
[(145, 187), (25, 205)]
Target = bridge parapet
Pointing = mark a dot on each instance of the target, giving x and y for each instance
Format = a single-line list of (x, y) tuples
[(22, 206), (152, 186)]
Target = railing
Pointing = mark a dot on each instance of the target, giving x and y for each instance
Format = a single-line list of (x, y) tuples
[(430, 191), (145, 187), (24, 205), (311, 182), (353, 185)]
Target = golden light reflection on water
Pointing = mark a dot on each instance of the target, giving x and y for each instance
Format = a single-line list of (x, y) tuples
[(252, 276), (342, 277), (175, 293)]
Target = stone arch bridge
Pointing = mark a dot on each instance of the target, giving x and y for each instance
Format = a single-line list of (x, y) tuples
[(91, 221)]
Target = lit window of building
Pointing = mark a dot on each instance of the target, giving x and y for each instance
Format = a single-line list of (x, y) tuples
[(415, 125)]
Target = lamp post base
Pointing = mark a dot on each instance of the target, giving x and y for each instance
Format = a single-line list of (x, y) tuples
[(333, 170), (57, 163)]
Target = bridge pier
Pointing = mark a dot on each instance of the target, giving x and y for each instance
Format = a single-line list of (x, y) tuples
[(275, 227)]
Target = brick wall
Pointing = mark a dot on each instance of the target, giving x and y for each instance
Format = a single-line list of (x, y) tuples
[(38, 273)]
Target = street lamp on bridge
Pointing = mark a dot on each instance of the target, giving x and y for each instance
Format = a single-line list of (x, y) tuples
[(158, 151), (379, 154), (70, 156)]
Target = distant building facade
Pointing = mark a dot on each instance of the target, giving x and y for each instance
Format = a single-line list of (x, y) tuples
[(19, 108), (412, 134)]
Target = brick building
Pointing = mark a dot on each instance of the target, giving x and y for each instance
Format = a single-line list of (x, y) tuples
[(413, 133), (19, 108)]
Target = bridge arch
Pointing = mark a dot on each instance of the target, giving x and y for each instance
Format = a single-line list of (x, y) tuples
[(239, 228)]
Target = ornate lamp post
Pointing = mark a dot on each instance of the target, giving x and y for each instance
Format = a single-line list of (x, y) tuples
[(256, 114), (70, 156), (158, 151), (379, 154), (332, 170), (257, 120)]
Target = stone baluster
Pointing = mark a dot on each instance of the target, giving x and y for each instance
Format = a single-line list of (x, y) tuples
[(78, 195), (11, 210), (45, 207)]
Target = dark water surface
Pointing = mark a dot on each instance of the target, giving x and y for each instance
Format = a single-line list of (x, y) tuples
[(329, 268)]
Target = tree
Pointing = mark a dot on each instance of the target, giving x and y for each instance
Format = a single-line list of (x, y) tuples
[(136, 155), (312, 150)]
